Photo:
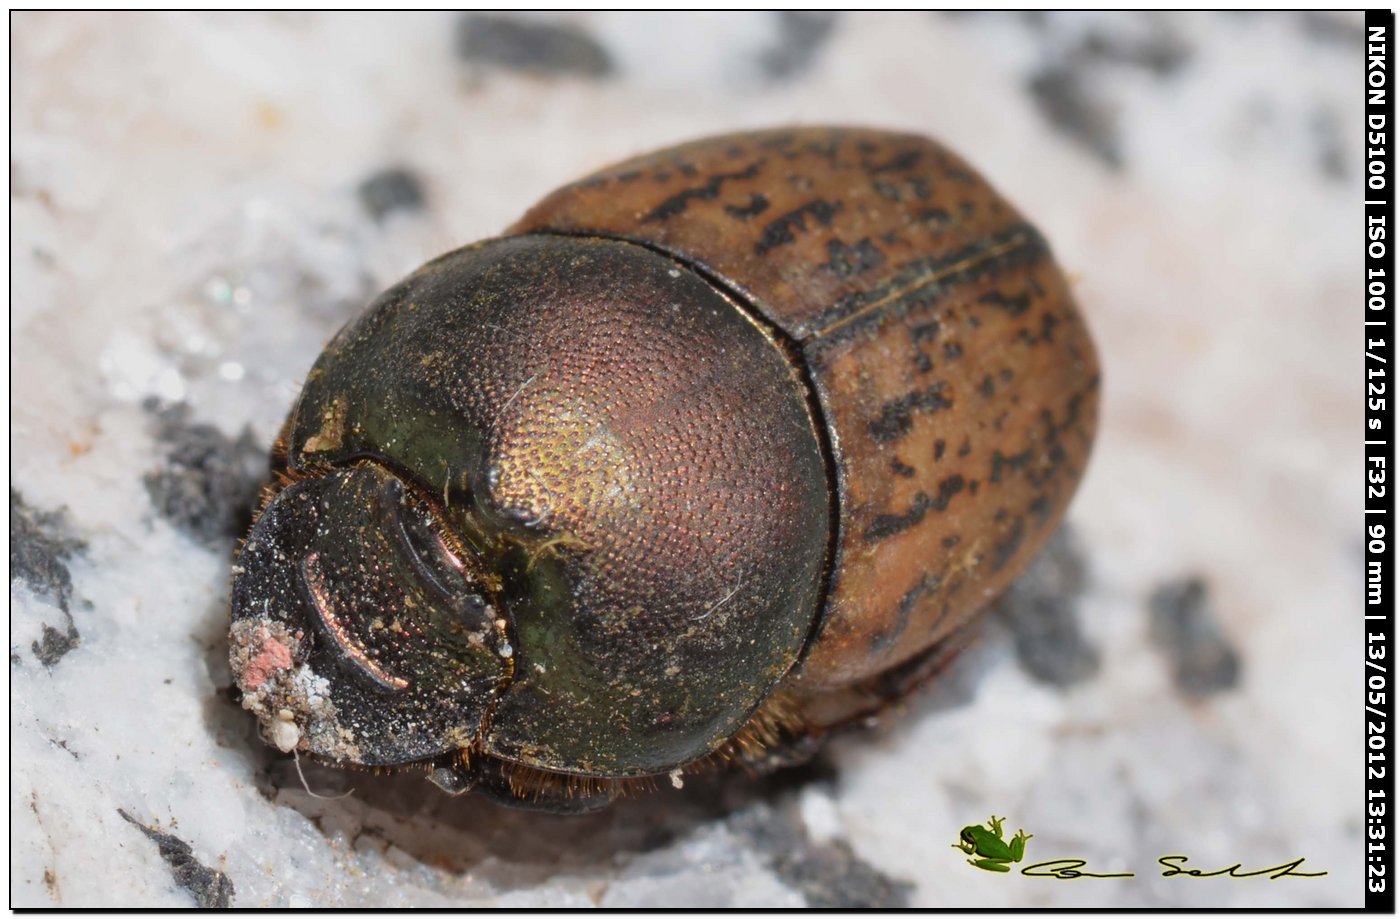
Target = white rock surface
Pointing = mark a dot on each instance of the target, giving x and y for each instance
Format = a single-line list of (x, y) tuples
[(186, 228)]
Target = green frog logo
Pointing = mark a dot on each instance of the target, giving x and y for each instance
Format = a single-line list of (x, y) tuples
[(989, 846)]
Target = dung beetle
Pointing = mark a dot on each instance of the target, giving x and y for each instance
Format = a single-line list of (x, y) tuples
[(712, 453)]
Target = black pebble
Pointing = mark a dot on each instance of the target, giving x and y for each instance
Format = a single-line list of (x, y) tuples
[(211, 889), (208, 482), (801, 35), (1041, 608), (389, 190), (40, 546), (1066, 100), (1183, 625), (548, 49), (829, 875)]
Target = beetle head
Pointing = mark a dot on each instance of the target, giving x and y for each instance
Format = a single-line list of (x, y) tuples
[(363, 630)]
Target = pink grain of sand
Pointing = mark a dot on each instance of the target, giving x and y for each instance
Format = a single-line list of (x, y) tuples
[(272, 657)]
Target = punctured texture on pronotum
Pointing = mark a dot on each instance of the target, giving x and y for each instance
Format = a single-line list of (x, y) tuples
[(714, 452)]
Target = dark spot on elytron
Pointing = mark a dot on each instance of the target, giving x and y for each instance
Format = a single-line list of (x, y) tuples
[(951, 541), (938, 447), (829, 875), (1065, 98), (781, 230), (927, 585), (207, 483), (546, 49), (1184, 627), (1048, 322), (900, 469), (1014, 462), (1048, 445), (391, 189), (757, 205), (677, 203), (952, 350), (973, 486), (828, 150), (886, 525), (887, 190), (801, 35), (211, 889), (897, 416), (848, 261), (1012, 306), (966, 447), (922, 362), (900, 162), (40, 547), (1041, 609), (631, 175), (935, 217), (926, 331), (987, 387)]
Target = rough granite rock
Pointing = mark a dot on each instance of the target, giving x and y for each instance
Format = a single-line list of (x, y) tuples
[(193, 213)]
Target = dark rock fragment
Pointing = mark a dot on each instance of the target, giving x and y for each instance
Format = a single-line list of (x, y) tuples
[(211, 889), (1040, 607), (1183, 625), (208, 482), (547, 49), (389, 190)]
